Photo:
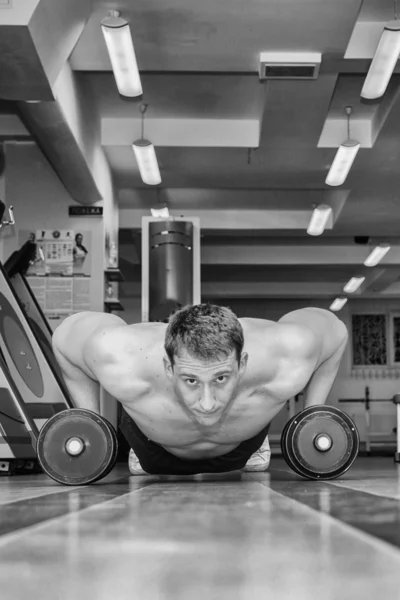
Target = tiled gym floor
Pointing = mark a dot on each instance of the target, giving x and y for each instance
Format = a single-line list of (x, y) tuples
[(234, 536)]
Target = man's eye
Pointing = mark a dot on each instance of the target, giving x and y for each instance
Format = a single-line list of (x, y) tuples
[(191, 381), (221, 377)]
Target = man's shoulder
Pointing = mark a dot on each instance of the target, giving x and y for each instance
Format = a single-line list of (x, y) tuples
[(317, 323), (297, 339), (279, 339), (127, 340)]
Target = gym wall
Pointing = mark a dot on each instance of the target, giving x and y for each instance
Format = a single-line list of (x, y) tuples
[(41, 201)]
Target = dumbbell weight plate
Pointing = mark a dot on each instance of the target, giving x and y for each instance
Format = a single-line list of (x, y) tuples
[(283, 443), (93, 463), (300, 439), (114, 457), (288, 423)]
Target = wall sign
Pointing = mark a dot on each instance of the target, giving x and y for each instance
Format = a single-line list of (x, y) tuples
[(85, 211)]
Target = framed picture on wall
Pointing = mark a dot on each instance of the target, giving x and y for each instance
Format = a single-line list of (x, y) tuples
[(394, 339), (375, 339), (369, 340)]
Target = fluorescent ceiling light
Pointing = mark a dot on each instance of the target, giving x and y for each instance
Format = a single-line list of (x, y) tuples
[(353, 285), (160, 213), (147, 162), (319, 219), (376, 255), (118, 38), (383, 63), (342, 162), (338, 304)]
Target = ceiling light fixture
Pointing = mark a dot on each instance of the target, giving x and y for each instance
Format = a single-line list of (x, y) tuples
[(319, 219), (338, 304), (146, 157), (384, 61), (160, 213), (376, 255), (118, 38), (344, 158), (353, 284)]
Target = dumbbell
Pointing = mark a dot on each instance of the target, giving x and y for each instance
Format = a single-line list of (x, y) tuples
[(77, 447), (320, 442)]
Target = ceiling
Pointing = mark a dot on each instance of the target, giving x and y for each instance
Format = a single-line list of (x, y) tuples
[(250, 157)]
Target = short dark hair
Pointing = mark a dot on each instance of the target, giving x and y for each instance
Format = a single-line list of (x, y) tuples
[(206, 331)]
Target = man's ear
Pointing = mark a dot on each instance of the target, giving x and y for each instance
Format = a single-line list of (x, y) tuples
[(169, 370), (243, 362)]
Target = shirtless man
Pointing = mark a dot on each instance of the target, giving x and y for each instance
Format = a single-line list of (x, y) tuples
[(199, 392)]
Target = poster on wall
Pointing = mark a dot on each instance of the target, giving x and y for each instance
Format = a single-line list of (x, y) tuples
[(60, 251), (60, 275)]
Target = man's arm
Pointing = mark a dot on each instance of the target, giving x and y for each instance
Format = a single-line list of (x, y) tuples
[(83, 390), (331, 337), (71, 341), (322, 379)]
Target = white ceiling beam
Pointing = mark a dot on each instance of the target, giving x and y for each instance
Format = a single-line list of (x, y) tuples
[(365, 37), (383, 281), (279, 255), (265, 199), (291, 255), (334, 132), (274, 290), (254, 289), (270, 289), (296, 220), (220, 133), (367, 120)]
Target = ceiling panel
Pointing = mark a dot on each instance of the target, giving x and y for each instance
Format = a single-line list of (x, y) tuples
[(218, 35)]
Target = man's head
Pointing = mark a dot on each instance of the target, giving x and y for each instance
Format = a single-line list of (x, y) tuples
[(204, 359)]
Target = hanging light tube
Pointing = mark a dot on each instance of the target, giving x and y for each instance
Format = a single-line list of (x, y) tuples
[(376, 255), (118, 38), (319, 219), (383, 63), (147, 161), (353, 284), (344, 157), (338, 304), (342, 162)]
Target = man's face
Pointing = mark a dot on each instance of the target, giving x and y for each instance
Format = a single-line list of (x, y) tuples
[(205, 388)]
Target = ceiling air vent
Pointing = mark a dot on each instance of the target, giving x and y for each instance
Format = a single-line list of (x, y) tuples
[(289, 65)]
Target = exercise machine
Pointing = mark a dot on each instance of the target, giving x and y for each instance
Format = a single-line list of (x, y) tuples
[(31, 385)]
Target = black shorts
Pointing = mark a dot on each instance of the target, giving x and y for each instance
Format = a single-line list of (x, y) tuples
[(154, 459)]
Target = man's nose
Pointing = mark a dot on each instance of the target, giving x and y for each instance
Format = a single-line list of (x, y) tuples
[(207, 400)]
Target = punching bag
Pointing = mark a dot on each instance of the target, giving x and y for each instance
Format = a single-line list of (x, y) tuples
[(170, 266)]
